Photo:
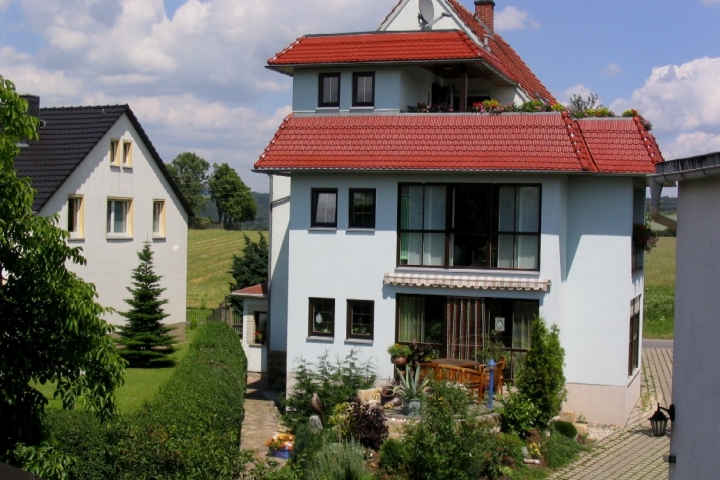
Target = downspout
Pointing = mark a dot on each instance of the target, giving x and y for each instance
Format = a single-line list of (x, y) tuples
[(655, 192)]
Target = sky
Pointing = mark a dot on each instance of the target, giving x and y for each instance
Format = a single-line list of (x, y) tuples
[(194, 71)]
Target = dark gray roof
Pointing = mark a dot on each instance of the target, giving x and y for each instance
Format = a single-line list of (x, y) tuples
[(67, 137)]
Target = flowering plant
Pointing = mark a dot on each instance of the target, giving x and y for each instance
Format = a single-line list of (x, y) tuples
[(425, 108), (643, 236), (281, 441), (259, 337), (534, 450)]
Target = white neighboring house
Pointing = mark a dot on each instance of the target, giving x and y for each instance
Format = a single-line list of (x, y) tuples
[(447, 227), (696, 363), (96, 167)]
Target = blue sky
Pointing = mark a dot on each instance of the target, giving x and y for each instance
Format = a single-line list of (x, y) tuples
[(193, 72)]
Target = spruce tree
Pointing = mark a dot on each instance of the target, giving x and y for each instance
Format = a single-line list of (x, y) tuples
[(146, 341)]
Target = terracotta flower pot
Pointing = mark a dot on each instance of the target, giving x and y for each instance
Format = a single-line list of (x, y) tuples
[(399, 360)]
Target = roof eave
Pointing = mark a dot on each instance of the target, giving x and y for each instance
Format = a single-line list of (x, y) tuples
[(289, 68)]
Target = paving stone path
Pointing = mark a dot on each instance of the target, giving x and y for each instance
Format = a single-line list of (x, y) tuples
[(262, 418), (632, 452)]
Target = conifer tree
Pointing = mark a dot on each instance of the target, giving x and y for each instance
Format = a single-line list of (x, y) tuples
[(146, 341)]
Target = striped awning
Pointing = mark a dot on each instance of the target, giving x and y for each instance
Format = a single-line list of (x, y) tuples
[(466, 281)]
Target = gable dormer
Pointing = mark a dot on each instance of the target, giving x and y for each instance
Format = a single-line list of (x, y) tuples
[(425, 52)]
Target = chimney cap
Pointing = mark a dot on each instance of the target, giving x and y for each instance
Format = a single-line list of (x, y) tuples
[(485, 2)]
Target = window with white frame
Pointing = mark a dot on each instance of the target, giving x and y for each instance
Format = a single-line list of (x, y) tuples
[(127, 154), (119, 217), (115, 152), (158, 218), (76, 216)]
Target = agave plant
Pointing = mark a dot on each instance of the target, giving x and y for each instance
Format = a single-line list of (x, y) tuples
[(410, 388)]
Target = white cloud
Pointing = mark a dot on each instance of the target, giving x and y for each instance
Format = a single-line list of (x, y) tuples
[(512, 18), (612, 70), (683, 104), (710, 3)]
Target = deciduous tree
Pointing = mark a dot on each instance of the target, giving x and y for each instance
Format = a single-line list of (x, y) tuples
[(250, 268), (146, 341), (232, 197), (51, 328), (190, 173)]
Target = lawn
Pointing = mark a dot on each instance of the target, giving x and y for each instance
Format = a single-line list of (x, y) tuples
[(660, 290), (141, 384), (209, 260)]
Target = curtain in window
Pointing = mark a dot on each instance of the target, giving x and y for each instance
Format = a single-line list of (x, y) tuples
[(523, 314), (465, 325), (410, 319)]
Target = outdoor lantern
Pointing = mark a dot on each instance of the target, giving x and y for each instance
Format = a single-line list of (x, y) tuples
[(659, 420)]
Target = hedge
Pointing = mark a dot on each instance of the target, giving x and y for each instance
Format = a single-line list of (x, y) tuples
[(191, 430)]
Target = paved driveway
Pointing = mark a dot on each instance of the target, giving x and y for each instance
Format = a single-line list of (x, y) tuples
[(632, 452)]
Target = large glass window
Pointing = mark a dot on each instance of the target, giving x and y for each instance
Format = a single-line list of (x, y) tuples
[(322, 317), (364, 89), (329, 90), (470, 226), (360, 319), (362, 208), (324, 207)]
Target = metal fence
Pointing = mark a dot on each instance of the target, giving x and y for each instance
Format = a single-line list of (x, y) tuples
[(223, 313)]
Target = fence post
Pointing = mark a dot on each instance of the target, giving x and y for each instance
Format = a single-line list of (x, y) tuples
[(491, 365)]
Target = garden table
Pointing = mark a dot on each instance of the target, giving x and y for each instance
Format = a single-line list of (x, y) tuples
[(456, 362)]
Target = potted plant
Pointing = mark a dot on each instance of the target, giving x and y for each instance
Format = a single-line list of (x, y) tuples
[(411, 390), (259, 338), (398, 353)]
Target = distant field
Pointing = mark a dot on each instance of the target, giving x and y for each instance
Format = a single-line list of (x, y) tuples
[(209, 260), (660, 290)]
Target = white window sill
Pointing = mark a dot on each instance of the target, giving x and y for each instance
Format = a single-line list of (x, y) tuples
[(313, 338), (327, 109), (256, 345), (362, 109), (118, 236), (360, 230), (127, 167), (158, 237), (74, 237), (322, 229), (358, 341)]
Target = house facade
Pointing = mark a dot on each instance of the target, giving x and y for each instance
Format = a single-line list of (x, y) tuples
[(453, 228), (696, 364), (97, 170)]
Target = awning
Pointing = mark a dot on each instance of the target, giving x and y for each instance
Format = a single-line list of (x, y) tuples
[(467, 281)]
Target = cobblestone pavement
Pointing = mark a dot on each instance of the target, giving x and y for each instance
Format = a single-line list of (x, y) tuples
[(262, 418), (632, 452)]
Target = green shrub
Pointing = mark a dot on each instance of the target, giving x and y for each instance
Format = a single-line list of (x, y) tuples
[(392, 456), (565, 428), (518, 415), (44, 460), (449, 441), (334, 382), (191, 430), (559, 450), (541, 380), (338, 461), (503, 452)]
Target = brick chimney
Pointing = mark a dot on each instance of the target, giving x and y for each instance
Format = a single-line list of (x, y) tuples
[(485, 12)]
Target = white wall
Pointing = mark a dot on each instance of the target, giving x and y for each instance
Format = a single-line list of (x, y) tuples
[(256, 354), (110, 261), (696, 363), (279, 247), (406, 18)]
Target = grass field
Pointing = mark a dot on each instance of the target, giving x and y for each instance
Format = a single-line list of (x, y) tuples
[(209, 260), (141, 384), (660, 290)]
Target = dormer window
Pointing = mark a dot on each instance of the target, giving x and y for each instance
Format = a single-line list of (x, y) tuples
[(329, 90), (364, 89)]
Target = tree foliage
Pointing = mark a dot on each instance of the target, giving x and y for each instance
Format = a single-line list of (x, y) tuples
[(541, 380), (232, 197), (190, 173), (51, 328), (250, 268), (146, 341)]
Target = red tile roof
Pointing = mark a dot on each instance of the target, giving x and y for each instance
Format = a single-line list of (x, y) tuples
[(379, 47), (519, 71), (462, 142), (259, 291)]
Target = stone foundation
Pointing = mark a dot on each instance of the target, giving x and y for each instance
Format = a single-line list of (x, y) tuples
[(605, 404)]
